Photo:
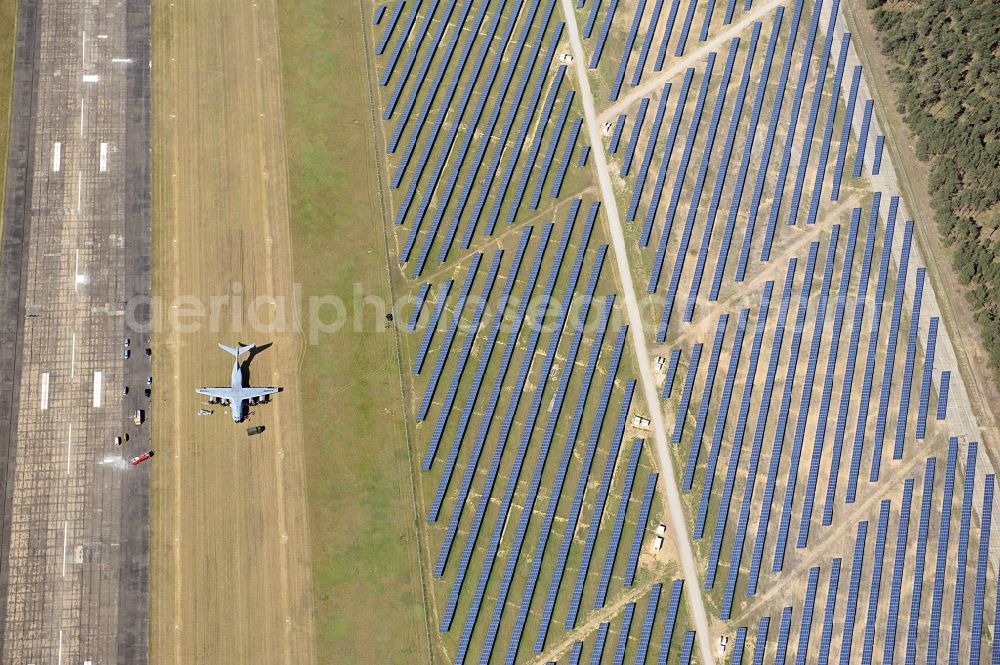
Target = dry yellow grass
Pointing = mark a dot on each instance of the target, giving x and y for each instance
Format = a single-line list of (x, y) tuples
[(230, 574)]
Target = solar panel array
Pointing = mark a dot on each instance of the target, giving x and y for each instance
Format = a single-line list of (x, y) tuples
[(706, 397), (784, 630), (805, 625), (670, 622), (916, 593), (853, 590), (942, 400), (640, 529), (688, 388), (877, 159), (616, 85), (619, 525), (875, 587), (627, 613), (866, 121), (979, 600), (616, 134), (963, 554), (647, 624), (899, 561), (944, 538), (668, 382), (925, 383)]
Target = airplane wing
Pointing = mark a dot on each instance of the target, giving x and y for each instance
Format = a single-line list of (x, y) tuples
[(251, 393), (226, 392)]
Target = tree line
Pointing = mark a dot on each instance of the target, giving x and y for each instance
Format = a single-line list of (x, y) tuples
[(945, 61)]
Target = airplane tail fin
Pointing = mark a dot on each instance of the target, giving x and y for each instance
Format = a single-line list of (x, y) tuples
[(239, 351)]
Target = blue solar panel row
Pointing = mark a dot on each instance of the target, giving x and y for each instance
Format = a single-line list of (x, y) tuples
[(919, 561), (986, 519), (925, 384), (466, 352), (536, 145), (685, 28), (647, 43), (758, 441), (619, 525), (699, 186), (944, 536), (522, 526), (622, 643), (877, 160), (741, 175), (576, 651), (479, 376), (720, 175), (446, 102), (668, 382), (786, 156), (707, 22), (418, 306), (851, 612), (378, 14), (958, 599), (387, 33), (866, 121), (781, 426), (824, 61), (720, 422), (557, 486), (772, 128), (761, 645), (574, 134), (457, 116), (553, 418), (602, 638), (685, 401), (501, 140), (647, 157), (515, 150), (911, 359), (942, 400), (633, 141), (739, 643), (881, 421), (819, 439), (784, 630), (581, 161), (852, 358), (404, 36), (661, 53), (668, 625), (595, 59), (425, 343), (897, 572), (668, 151), (616, 134), (830, 612), (876, 582), (470, 335), (550, 151), (595, 521), (393, 142), (494, 399), (647, 624), (824, 149), (616, 85), (508, 420), (588, 28), (805, 625), (411, 56), (861, 430), (706, 399), (805, 400), (687, 647), (577, 506), (463, 296), (734, 455), (845, 134), (640, 530), (681, 175)]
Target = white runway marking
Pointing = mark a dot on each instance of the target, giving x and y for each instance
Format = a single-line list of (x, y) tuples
[(60, 647), (91, 78), (125, 60), (65, 532), (45, 390), (97, 389), (69, 447), (78, 278), (104, 157), (56, 156)]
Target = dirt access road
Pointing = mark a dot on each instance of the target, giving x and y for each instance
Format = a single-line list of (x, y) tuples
[(229, 553)]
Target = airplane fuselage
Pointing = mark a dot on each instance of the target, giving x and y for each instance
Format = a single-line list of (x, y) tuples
[(236, 382)]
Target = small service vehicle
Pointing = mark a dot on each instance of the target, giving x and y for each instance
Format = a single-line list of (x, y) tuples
[(139, 416), (141, 458)]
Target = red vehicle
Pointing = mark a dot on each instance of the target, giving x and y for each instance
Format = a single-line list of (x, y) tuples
[(141, 458)]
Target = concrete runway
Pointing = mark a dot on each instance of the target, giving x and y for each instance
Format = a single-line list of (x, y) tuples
[(75, 259)]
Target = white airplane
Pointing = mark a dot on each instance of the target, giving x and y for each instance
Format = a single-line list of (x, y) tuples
[(237, 395)]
